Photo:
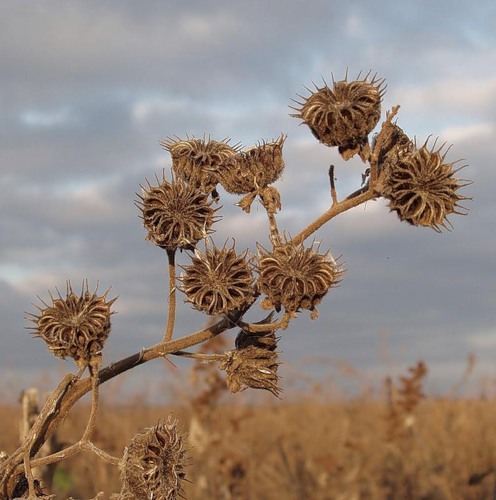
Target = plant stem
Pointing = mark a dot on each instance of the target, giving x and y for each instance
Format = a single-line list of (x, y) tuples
[(337, 208), (169, 330)]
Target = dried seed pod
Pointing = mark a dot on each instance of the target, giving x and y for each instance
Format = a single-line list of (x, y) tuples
[(218, 281), (75, 327), (153, 465), (175, 214), (265, 340), (344, 115), (253, 367), (198, 161), (422, 189), (253, 169), (295, 277), (394, 143)]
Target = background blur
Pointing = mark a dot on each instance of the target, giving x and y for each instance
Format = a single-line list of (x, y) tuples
[(88, 88)]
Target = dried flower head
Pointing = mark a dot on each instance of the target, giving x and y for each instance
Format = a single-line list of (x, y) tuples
[(218, 281), (75, 327), (344, 115), (253, 169), (153, 466), (176, 214), (253, 367), (422, 188), (295, 277), (198, 161)]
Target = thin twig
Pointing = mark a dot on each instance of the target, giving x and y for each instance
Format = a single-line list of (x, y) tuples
[(275, 238), (199, 355), (350, 202), (333, 187)]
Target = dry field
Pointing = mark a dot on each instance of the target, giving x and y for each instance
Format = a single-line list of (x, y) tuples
[(410, 448)]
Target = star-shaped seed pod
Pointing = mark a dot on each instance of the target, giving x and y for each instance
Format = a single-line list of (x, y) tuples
[(295, 277), (75, 327), (344, 115), (218, 281), (422, 187), (198, 161), (175, 214), (153, 465)]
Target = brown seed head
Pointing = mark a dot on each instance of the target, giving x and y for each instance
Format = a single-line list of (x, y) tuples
[(295, 277), (253, 367), (218, 281), (344, 115), (76, 326), (254, 168), (154, 463), (176, 215), (422, 188), (198, 161)]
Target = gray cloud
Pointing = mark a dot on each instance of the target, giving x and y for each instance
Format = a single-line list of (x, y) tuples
[(88, 89)]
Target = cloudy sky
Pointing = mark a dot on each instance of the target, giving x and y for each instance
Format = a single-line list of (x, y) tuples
[(88, 88)]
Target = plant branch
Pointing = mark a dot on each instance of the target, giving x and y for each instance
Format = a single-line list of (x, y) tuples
[(71, 390), (169, 330), (362, 195), (199, 355), (333, 187), (350, 202)]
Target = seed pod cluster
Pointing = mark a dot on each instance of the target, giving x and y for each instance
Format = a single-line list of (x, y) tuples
[(75, 327), (253, 169), (154, 463), (175, 214), (218, 280), (422, 188), (198, 161), (253, 367), (345, 115), (295, 277)]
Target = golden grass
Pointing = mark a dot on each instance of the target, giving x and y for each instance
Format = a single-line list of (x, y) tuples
[(302, 450)]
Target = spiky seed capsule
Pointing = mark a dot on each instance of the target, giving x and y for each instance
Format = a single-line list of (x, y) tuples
[(75, 327), (254, 168), (421, 188), (175, 214), (218, 281), (153, 465), (253, 367), (198, 161), (344, 115), (295, 277)]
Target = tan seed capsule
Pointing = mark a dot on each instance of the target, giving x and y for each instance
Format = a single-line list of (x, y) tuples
[(218, 281), (422, 188), (343, 115), (75, 327), (175, 214)]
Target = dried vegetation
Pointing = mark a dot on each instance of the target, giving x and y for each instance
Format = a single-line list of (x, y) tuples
[(292, 276)]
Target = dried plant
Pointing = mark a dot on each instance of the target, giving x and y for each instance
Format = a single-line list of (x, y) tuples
[(403, 400), (291, 276)]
